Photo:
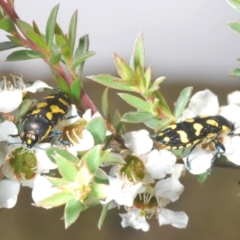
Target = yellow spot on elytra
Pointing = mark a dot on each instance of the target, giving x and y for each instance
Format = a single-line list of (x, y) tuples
[(49, 115), (183, 136), (189, 120), (41, 104), (173, 126), (63, 102), (56, 109), (198, 128), (212, 122), (166, 139), (35, 111), (211, 135)]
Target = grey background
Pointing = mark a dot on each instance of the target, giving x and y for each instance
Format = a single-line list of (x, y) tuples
[(186, 41)]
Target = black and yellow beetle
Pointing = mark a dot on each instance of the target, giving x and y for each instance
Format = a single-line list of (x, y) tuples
[(194, 131), (38, 123)]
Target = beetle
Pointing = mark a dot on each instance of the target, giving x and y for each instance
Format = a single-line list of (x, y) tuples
[(194, 131), (38, 123)]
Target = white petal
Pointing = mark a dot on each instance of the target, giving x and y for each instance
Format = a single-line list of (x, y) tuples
[(135, 220), (87, 115), (42, 189), (7, 128), (234, 98), (8, 193), (233, 150), (10, 100), (176, 219), (169, 188), (179, 171), (44, 163), (232, 113), (160, 163), (37, 86), (138, 142), (202, 103), (199, 160)]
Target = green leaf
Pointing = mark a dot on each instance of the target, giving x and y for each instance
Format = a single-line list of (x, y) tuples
[(72, 211), (158, 81), (14, 40), (152, 123), (7, 45), (112, 158), (113, 82), (182, 101), (235, 4), (62, 43), (56, 200), (136, 117), (163, 124), (202, 177), (123, 69), (7, 24), (50, 28), (61, 82), (82, 48), (97, 127), (118, 125), (54, 59), (81, 59), (92, 158), (24, 55), (59, 31), (235, 73), (103, 215), (76, 89), (56, 182), (52, 151), (138, 57), (105, 105), (66, 168), (100, 176), (24, 26), (147, 78), (37, 39), (99, 190), (235, 26), (72, 31), (36, 29), (135, 102)]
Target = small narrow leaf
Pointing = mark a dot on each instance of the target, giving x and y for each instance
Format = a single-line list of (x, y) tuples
[(50, 28), (235, 26), (103, 215), (62, 83), (7, 24), (135, 102), (72, 31), (182, 101), (105, 105), (235, 73), (147, 78), (36, 29), (82, 58), (56, 200), (138, 57), (92, 158), (112, 158), (24, 55), (54, 59), (14, 40), (59, 31), (37, 39), (82, 48), (202, 177), (123, 69), (7, 45), (136, 117), (235, 4), (97, 127), (67, 155), (76, 89), (24, 26), (67, 169), (113, 82), (62, 43), (72, 211)]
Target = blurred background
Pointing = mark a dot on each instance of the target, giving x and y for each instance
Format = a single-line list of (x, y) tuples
[(187, 41)]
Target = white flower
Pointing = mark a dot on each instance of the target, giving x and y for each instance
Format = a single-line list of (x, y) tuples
[(11, 93), (234, 98), (153, 202), (123, 191), (138, 142)]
